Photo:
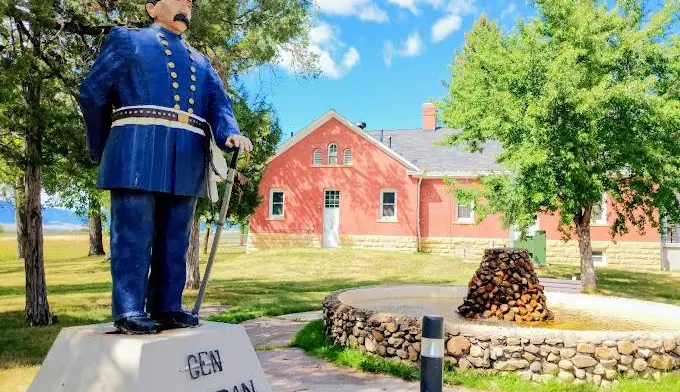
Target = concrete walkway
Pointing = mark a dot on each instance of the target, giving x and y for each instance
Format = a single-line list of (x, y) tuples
[(291, 370)]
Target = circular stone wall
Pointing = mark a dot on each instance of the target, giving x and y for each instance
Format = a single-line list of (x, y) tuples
[(539, 354)]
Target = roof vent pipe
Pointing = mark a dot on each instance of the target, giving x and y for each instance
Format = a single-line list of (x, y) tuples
[(361, 125)]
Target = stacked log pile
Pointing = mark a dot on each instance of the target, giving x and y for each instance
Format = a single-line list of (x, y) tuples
[(505, 287)]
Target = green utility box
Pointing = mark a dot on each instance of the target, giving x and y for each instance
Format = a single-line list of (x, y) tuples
[(535, 244)]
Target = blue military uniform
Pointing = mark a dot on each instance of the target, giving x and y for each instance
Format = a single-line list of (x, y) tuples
[(150, 102)]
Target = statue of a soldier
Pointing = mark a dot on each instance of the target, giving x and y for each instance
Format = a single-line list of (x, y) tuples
[(150, 104)]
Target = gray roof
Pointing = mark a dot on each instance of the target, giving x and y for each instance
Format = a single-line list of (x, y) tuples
[(418, 147)]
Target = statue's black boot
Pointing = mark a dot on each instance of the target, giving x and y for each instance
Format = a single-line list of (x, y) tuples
[(174, 320), (136, 326)]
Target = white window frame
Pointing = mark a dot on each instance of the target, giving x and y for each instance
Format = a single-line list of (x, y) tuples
[(469, 220), (602, 263), (271, 203), (333, 155), (602, 220), (384, 218), (345, 155), (317, 154)]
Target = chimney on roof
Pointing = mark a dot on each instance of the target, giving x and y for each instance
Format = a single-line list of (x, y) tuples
[(429, 117), (361, 125)]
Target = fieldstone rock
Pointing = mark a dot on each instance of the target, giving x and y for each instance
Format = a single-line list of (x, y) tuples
[(654, 344), (526, 376), (626, 359), (450, 360), (565, 364), (458, 346), (578, 382), (580, 373), (662, 362), (567, 353), (391, 327), (513, 341), (371, 345), (608, 363), (412, 354), (583, 361), (569, 344), (529, 357), (589, 377), (536, 341), (395, 342), (511, 365), (643, 353), (545, 378), (597, 379), (532, 349), (476, 351), (626, 347), (479, 362), (496, 352), (464, 364), (606, 353), (512, 349), (609, 343), (402, 354), (656, 376), (536, 367), (553, 342), (545, 351), (615, 383), (585, 348), (391, 351), (553, 358), (381, 350), (416, 346), (609, 374), (353, 341), (565, 376), (639, 365), (599, 369), (550, 368), (669, 345), (622, 368), (555, 350), (606, 384)]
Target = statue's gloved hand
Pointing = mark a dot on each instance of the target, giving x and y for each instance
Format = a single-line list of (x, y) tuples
[(240, 141)]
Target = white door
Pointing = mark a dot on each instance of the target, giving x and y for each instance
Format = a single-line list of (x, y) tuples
[(331, 219)]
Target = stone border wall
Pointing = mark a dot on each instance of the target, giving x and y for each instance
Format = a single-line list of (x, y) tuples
[(536, 358)]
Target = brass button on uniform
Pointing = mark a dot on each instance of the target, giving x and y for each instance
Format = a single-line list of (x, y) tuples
[(177, 98), (168, 52), (171, 64), (161, 35), (193, 78), (165, 43), (190, 111), (191, 101), (193, 69), (177, 107), (175, 84), (174, 75), (193, 88)]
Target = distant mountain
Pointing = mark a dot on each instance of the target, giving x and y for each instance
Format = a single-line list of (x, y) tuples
[(53, 218)]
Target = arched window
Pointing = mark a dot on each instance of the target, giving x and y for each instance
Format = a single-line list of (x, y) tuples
[(347, 156), (332, 154), (317, 157)]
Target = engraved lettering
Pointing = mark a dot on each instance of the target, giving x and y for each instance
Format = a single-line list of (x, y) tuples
[(203, 363), (193, 371), (216, 361)]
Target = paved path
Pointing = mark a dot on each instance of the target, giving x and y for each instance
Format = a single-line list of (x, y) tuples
[(291, 370)]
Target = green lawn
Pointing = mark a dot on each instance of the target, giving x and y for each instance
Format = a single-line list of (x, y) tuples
[(267, 283)]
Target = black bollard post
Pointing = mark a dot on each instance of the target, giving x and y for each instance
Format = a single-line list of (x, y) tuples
[(432, 355)]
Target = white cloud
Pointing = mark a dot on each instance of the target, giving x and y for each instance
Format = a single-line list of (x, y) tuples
[(326, 46), (510, 11), (454, 11), (411, 47), (363, 9), (445, 26), (408, 4)]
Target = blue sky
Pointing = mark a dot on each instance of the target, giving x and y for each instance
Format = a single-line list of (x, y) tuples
[(382, 59)]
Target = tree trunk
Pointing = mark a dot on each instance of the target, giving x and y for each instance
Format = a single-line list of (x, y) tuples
[(193, 280), (37, 307), (206, 239), (585, 247), (96, 237), (20, 216)]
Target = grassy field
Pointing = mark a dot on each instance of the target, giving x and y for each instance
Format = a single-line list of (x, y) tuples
[(267, 283)]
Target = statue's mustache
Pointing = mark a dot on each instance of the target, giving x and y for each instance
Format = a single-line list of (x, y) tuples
[(182, 18)]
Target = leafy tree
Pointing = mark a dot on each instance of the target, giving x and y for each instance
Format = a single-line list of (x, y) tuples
[(584, 101), (46, 47)]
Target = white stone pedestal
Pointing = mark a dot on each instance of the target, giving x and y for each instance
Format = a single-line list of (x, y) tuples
[(214, 357)]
